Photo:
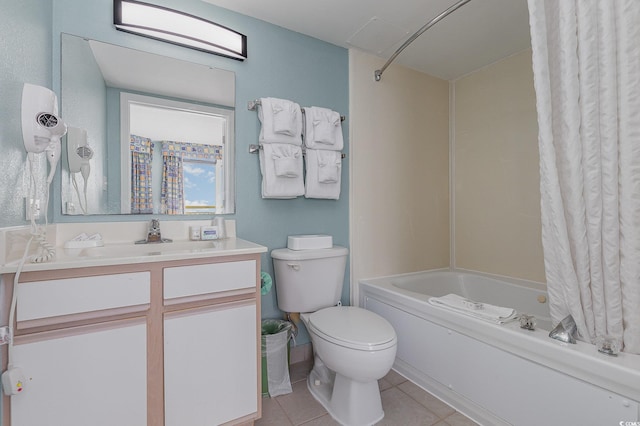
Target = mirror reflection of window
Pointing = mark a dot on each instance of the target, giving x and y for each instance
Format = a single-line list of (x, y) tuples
[(187, 170), (199, 187), (179, 174)]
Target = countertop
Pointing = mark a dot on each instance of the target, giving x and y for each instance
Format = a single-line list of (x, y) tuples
[(119, 254)]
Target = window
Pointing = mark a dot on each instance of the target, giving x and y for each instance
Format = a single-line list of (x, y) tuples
[(199, 187), (199, 177)]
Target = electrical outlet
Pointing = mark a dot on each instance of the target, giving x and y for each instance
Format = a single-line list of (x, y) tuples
[(32, 206), (5, 335), (13, 381)]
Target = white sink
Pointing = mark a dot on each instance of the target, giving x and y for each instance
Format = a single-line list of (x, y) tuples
[(152, 249)]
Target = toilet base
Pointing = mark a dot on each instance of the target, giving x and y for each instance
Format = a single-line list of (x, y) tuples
[(350, 403)]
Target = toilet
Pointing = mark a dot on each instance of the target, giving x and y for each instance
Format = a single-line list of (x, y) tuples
[(352, 347)]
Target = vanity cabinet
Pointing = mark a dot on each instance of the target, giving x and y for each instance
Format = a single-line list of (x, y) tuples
[(209, 364), (93, 376), (79, 354), (210, 351), (170, 343)]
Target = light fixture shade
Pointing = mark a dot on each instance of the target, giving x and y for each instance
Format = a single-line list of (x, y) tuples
[(178, 28)]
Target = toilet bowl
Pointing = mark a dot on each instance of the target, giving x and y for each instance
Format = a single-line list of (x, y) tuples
[(352, 347)]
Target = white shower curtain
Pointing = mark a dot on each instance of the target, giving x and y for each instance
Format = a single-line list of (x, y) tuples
[(586, 62)]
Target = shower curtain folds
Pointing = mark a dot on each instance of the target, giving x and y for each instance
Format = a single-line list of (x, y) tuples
[(586, 61)]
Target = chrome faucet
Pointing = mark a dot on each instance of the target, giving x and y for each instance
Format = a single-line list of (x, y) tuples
[(154, 236)]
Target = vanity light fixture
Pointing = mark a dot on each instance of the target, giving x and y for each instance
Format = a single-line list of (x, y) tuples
[(178, 28)]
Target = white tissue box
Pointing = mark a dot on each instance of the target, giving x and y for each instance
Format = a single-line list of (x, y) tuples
[(309, 242)]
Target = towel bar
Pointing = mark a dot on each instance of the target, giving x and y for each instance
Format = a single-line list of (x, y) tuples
[(254, 148), (252, 105)]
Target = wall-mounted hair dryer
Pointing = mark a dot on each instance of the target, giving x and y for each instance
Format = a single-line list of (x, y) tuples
[(79, 153), (42, 128)]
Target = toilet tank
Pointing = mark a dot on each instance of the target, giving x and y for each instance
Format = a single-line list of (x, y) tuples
[(309, 280)]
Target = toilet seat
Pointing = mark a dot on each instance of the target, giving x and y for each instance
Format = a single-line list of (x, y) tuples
[(353, 327)]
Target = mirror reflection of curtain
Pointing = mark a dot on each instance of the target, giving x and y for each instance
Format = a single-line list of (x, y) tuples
[(172, 201), (141, 158), (173, 154)]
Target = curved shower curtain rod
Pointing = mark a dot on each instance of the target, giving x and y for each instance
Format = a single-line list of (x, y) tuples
[(378, 73)]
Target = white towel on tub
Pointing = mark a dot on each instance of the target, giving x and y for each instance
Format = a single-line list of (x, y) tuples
[(483, 311)]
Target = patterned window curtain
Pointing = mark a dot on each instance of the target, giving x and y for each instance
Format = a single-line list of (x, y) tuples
[(192, 151), (173, 153), (172, 201), (141, 157)]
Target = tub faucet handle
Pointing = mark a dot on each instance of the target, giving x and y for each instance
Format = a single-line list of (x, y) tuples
[(528, 322), (608, 345)]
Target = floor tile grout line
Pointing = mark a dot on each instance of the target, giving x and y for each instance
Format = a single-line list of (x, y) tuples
[(427, 408), (392, 385), (315, 418), (284, 411)]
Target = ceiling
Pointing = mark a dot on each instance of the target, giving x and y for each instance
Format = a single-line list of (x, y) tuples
[(479, 33), (126, 68)]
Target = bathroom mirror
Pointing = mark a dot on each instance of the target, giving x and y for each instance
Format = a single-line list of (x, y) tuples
[(160, 132)]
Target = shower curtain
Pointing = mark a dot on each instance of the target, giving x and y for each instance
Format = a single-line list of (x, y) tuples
[(586, 61)]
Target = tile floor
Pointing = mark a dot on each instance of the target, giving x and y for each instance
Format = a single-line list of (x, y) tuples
[(404, 404)]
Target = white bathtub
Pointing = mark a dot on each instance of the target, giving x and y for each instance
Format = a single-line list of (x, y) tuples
[(500, 374)]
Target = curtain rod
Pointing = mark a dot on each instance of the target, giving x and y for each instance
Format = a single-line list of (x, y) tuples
[(378, 73)]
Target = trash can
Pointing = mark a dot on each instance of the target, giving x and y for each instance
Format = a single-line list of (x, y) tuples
[(275, 357)]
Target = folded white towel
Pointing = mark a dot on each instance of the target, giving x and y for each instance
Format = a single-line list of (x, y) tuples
[(281, 168), (286, 167), (285, 116), (325, 125), (314, 188), (281, 121), (323, 129), (483, 311), (329, 165)]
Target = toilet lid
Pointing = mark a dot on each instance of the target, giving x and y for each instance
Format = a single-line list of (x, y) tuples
[(353, 327)]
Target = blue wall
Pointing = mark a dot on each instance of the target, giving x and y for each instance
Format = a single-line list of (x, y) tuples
[(280, 63), (25, 56)]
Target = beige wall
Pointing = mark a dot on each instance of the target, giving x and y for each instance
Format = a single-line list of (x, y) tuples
[(399, 155), (496, 177)]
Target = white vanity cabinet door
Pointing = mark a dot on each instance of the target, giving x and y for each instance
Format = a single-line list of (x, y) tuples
[(97, 378), (210, 364)]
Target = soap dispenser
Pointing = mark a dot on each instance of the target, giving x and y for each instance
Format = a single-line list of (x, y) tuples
[(218, 222)]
